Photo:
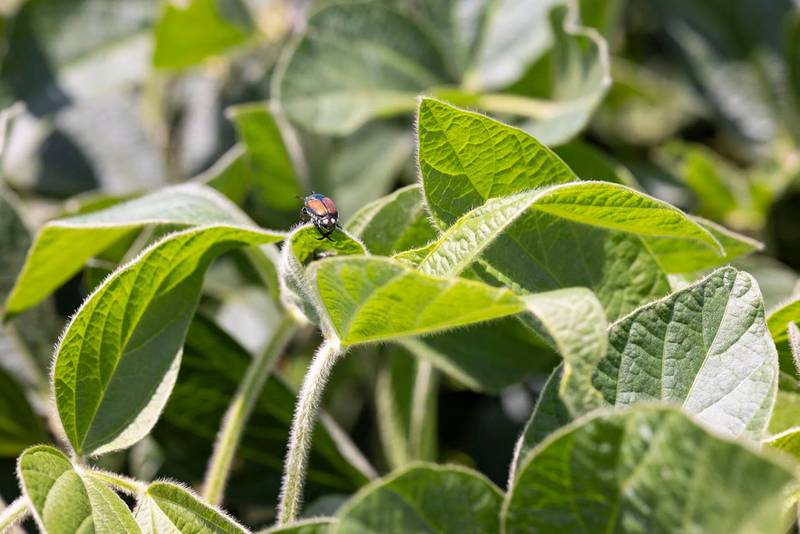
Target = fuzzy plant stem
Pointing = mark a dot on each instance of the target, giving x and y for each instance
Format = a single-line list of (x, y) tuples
[(14, 513), (239, 410), (305, 417)]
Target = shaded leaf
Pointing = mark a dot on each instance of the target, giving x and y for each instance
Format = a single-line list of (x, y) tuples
[(20, 426), (14, 243), (167, 508), (134, 325), (422, 498), (213, 366), (647, 469), (66, 500), (356, 61)]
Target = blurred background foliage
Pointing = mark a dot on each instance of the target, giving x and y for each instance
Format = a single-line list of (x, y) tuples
[(695, 102)]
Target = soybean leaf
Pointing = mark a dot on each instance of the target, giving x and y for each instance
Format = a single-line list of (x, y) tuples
[(189, 32), (374, 299), (679, 255), (62, 246), (573, 77), (119, 356), (725, 373), (599, 204), (167, 508), (486, 357), (788, 442), (212, 367), (14, 243), (273, 173), (356, 61), (393, 223), (549, 414), (466, 159), (646, 469), (20, 427), (786, 413), (780, 317), (422, 498), (65, 500), (590, 163), (302, 247), (318, 525)]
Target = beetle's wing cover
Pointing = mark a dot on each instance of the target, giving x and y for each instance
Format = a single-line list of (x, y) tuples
[(316, 206), (330, 206)]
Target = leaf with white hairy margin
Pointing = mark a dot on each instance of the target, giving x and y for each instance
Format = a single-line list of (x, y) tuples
[(167, 508), (119, 356), (646, 469), (65, 500), (62, 246)]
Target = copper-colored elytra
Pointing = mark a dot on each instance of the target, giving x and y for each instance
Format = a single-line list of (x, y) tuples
[(318, 206), (329, 206)]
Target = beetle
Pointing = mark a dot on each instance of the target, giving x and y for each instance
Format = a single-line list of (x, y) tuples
[(322, 211)]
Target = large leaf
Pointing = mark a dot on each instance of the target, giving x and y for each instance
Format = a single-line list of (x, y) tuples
[(212, 367), (423, 498), (645, 470), (119, 356), (62, 246), (599, 204), (356, 61), (466, 159), (189, 32), (167, 508), (393, 223), (706, 348), (66, 500)]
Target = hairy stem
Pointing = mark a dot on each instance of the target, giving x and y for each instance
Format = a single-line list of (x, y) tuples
[(305, 417), (239, 410), (423, 412), (14, 513)]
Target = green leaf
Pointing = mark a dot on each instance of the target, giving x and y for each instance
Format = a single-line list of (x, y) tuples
[(377, 299), (167, 508), (302, 247), (786, 413), (189, 32), (318, 525), (14, 243), (466, 159), (788, 442), (393, 223), (273, 173), (486, 357), (356, 61), (423, 498), (134, 325), (66, 500), (679, 255), (549, 414), (212, 368), (705, 348), (649, 469), (20, 427), (780, 317), (62, 246), (590, 163), (599, 204)]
